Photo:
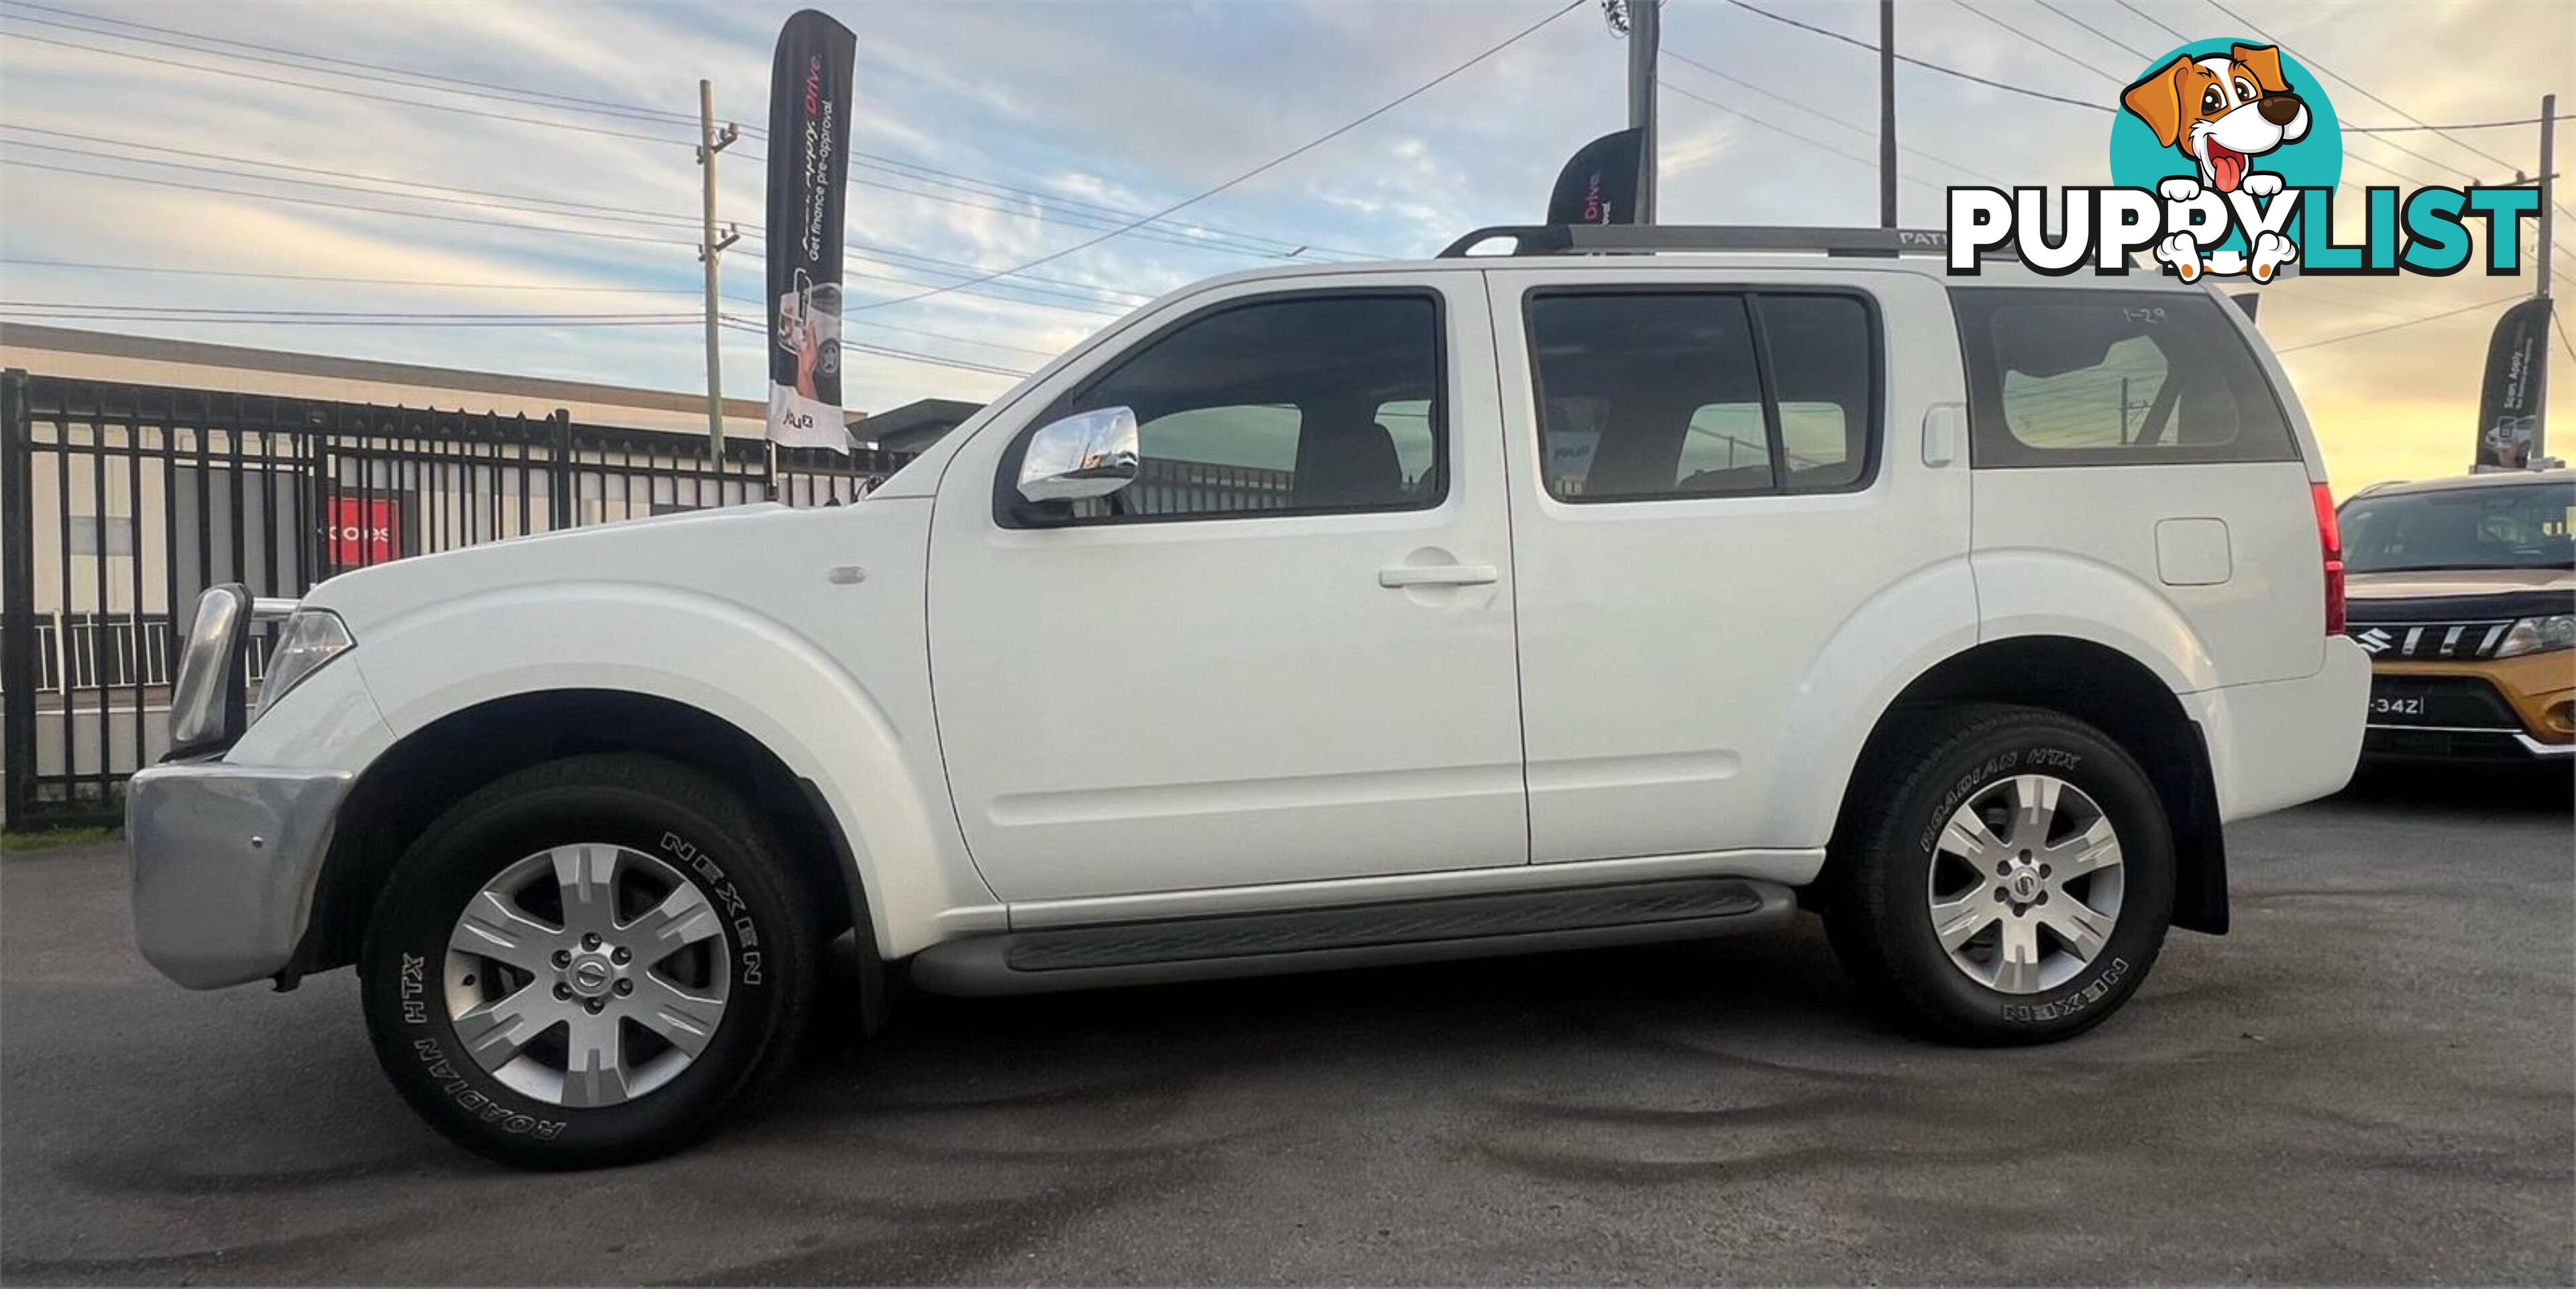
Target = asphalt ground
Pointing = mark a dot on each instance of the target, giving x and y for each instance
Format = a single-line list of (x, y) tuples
[(2372, 1080)]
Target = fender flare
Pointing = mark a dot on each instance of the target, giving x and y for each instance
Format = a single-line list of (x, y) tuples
[(1946, 610), (776, 686)]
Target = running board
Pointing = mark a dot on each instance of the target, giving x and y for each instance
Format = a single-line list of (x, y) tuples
[(1368, 935)]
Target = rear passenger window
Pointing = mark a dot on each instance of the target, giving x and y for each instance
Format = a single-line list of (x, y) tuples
[(1649, 395), (2112, 378)]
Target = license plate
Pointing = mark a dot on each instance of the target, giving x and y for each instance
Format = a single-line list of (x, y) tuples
[(2458, 702)]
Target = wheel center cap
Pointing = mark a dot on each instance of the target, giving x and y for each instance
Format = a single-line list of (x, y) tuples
[(2024, 885), (590, 976)]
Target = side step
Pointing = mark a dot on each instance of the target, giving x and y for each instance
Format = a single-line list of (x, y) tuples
[(1264, 944)]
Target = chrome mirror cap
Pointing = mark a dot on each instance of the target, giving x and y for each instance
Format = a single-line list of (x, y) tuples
[(206, 702), (1087, 455)]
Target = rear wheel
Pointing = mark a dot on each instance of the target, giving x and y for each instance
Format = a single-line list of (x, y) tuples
[(587, 963), (2014, 883)]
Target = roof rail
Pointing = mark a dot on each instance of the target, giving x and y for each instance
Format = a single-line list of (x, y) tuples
[(1616, 239)]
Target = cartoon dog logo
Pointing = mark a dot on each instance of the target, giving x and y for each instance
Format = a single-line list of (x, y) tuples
[(2222, 112)]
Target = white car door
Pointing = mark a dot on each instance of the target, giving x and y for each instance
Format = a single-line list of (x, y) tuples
[(1729, 545), (1285, 652)]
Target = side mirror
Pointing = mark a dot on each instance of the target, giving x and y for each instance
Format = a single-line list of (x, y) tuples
[(1091, 454)]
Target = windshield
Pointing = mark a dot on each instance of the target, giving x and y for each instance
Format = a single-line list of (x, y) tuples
[(2520, 526)]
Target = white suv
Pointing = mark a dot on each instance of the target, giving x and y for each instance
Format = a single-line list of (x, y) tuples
[(1311, 618)]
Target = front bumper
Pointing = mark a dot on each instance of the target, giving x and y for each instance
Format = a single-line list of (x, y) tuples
[(2484, 710), (224, 860)]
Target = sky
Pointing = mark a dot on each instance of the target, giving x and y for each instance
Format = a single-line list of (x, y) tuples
[(533, 160)]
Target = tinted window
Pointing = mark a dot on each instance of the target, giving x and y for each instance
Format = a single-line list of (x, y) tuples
[(1320, 403), (1824, 366), (1647, 395), (2113, 378), (2497, 526)]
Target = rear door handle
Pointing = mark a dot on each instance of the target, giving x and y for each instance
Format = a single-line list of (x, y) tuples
[(1404, 575)]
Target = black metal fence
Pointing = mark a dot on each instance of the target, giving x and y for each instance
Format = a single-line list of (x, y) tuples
[(119, 503)]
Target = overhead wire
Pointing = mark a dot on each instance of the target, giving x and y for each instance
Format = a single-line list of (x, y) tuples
[(1263, 168), (2398, 326), (1854, 126)]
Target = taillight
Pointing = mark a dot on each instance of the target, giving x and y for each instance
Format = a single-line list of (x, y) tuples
[(2330, 546)]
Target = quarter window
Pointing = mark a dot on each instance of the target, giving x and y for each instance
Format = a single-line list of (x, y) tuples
[(2112, 378), (1287, 406), (1663, 395)]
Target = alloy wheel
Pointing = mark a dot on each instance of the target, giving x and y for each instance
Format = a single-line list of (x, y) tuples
[(587, 975), (2025, 884)]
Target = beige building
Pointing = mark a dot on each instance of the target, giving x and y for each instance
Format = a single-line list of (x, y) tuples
[(192, 364), (131, 518)]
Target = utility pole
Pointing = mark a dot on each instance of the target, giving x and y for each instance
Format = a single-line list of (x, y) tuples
[(2548, 202), (708, 248), (1645, 44), (1887, 113)]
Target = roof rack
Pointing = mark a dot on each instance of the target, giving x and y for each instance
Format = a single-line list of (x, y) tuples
[(1617, 239)]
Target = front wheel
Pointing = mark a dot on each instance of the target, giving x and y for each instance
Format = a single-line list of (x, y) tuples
[(2014, 883), (587, 963)]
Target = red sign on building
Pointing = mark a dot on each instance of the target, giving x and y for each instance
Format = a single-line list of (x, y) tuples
[(362, 530)]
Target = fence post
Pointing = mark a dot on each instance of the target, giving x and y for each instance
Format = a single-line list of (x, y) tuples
[(17, 601), (559, 489)]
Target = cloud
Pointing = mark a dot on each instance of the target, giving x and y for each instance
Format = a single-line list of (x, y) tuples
[(1132, 107)]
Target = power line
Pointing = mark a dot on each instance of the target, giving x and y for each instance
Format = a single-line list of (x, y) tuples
[(1926, 64), (328, 313), (2395, 326), (1213, 238), (639, 218), (628, 212), (530, 287), (1853, 126), (1266, 166), (2116, 80), (23, 315), (339, 89), (194, 40), (577, 209), (2462, 125), (354, 281), (2312, 61), (642, 218), (1086, 304), (2131, 50), (1869, 162), (342, 205), (2037, 41), (854, 346), (2159, 22)]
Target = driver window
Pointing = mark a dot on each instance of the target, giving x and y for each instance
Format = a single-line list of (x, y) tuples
[(1299, 405)]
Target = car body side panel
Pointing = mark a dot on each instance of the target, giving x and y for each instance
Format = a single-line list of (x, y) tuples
[(2062, 528), (2034, 591), (829, 671)]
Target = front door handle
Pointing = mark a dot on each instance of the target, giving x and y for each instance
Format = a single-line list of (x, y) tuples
[(1404, 575)]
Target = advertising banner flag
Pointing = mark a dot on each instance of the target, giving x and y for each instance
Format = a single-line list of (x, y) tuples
[(1599, 184), (2509, 401), (809, 169)]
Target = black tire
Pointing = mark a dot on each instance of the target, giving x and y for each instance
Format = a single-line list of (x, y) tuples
[(705, 834), (1878, 912)]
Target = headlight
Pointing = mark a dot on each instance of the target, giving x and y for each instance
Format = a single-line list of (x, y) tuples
[(2534, 635), (310, 638)]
